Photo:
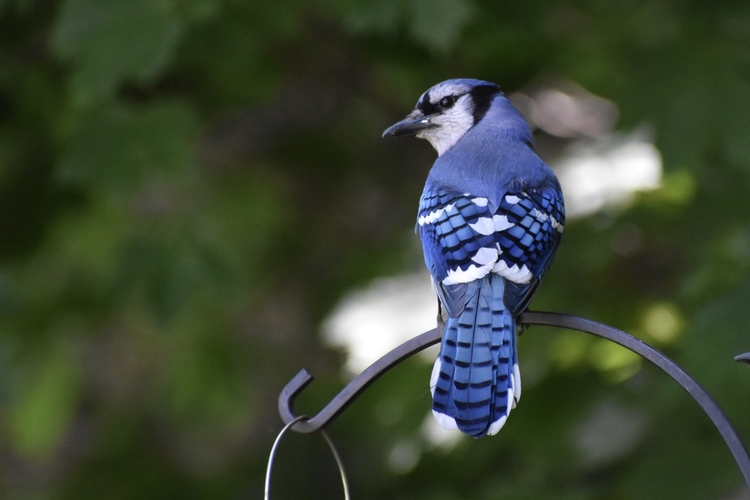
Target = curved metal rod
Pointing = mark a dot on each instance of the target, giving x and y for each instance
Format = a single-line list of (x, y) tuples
[(720, 421), (421, 342), (354, 388), (272, 457)]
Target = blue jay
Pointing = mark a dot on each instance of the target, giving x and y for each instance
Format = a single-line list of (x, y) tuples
[(490, 219)]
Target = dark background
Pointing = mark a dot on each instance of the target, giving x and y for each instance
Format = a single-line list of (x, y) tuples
[(189, 187)]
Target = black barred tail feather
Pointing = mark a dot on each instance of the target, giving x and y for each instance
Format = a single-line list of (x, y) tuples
[(475, 382)]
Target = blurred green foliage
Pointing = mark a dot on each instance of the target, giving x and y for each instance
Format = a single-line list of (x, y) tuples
[(187, 187)]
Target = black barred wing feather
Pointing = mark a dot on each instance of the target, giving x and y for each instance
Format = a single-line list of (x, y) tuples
[(538, 219), (465, 239)]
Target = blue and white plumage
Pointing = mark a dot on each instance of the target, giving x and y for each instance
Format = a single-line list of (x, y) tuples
[(490, 218)]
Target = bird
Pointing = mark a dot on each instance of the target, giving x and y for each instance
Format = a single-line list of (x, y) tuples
[(490, 219)]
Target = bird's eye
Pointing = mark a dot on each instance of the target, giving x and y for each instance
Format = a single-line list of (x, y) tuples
[(447, 101)]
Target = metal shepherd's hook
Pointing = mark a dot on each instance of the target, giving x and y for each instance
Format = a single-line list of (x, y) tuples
[(421, 342)]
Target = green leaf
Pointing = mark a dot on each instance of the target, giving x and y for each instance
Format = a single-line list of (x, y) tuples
[(115, 41)]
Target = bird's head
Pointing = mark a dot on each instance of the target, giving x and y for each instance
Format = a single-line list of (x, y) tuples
[(446, 112)]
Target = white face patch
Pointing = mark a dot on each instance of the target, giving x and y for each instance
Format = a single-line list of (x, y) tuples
[(451, 124)]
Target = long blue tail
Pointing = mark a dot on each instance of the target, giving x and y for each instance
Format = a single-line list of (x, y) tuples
[(476, 382)]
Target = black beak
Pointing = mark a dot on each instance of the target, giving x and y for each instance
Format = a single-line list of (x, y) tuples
[(412, 124)]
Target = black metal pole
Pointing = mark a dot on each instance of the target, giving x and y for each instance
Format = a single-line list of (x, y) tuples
[(421, 342), (725, 428)]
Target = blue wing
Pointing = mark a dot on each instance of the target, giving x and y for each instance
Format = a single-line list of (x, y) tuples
[(487, 261), (464, 238)]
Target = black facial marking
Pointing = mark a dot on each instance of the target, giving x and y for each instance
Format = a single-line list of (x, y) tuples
[(482, 97), (425, 106)]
